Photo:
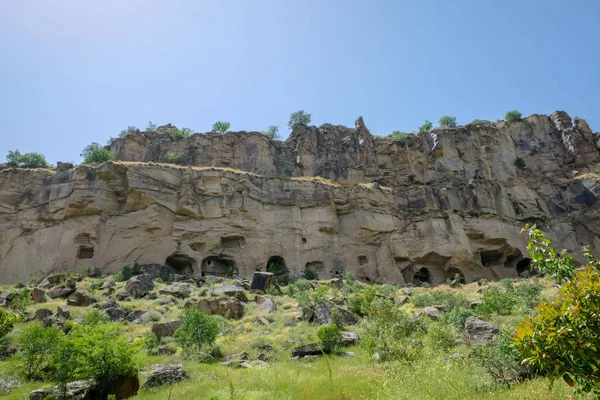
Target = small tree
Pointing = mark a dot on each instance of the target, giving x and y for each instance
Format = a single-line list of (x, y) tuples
[(520, 163), (272, 133), (151, 127), (197, 331), (298, 118), (330, 337), (175, 157), (180, 134), (221, 126), (447, 121), (94, 153), (37, 345), (130, 129), (26, 160), (397, 135), (562, 339), (513, 115), (426, 127)]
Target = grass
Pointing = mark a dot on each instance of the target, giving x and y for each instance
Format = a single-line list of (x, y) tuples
[(434, 375)]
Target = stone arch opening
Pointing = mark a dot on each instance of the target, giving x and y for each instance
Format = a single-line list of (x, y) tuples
[(423, 275), (454, 273), (181, 263), (524, 267), (493, 258), (276, 265), (214, 265), (85, 252)]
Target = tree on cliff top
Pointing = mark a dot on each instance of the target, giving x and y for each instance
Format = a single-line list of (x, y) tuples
[(447, 121), (27, 160), (94, 153), (298, 117), (221, 126)]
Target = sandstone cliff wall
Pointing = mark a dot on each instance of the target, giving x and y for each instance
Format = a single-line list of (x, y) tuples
[(446, 202)]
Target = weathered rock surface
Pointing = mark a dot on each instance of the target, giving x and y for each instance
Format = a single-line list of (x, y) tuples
[(323, 312), (139, 286), (313, 349), (226, 307), (479, 332), (78, 390), (163, 329), (165, 374), (449, 201), (38, 295), (80, 298)]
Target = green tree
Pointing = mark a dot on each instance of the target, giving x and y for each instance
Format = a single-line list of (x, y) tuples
[(562, 340), (447, 121), (197, 331), (397, 135), (65, 364), (151, 127), (513, 115), (426, 127), (330, 337), (180, 134), (221, 126), (94, 153), (37, 345), (299, 118), (130, 129), (175, 157), (272, 133), (26, 160)]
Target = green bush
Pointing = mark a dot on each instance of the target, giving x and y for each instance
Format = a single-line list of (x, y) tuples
[(359, 302), (299, 118), (336, 318), (151, 127), (94, 317), (21, 300), (457, 316), (125, 132), (501, 360), (272, 133), (26, 160), (496, 301), (443, 336), (530, 293), (94, 153), (127, 272), (197, 331), (447, 121), (310, 275), (520, 163), (434, 297), (513, 115), (426, 127), (330, 337), (398, 136), (37, 345), (180, 134), (175, 157), (221, 126), (348, 275)]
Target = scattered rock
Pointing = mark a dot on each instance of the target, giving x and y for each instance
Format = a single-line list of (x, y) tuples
[(180, 290), (115, 313), (349, 338), (38, 295), (251, 364), (475, 304), (347, 354), (407, 291), (50, 321), (80, 299), (78, 390), (229, 290), (268, 305), (165, 350), (306, 315), (155, 270), (262, 281), (432, 312), (63, 166), (137, 317), (139, 286), (164, 301), (263, 321), (479, 332), (56, 279), (401, 300), (313, 349), (123, 296), (165, 374), (163, 329), (63, 311), (336, 283), (60, 291), (227, 307), (41, 314), (323, 314)]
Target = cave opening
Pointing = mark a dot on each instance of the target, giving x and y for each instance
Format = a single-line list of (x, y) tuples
[(181, 263), (455, 274), (276, 265), (524, 266), (214, 265), (423, 276)]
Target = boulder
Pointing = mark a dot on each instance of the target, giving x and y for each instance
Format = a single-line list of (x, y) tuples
[(323, 314), (137, 317), (60, 291), (262, 321), (64, 166), (114, 313), (38, 295), (124, 387), (180, 290), (110, 303), (229, 290), (80, 299), (268, 305), (63, 311), (55, 279), (349, 338), (479, 332), (432, 312), (78, 390), (155, 270), (227, 307), (162, 374), (313, 349), (41, 314), (262, 281), (123, 296), (139, 286), (235, 359), (162, 329)]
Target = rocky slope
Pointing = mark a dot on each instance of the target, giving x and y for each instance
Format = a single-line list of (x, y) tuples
[(445, 202)]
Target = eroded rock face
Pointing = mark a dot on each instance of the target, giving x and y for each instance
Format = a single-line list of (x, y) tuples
[(448, 202)]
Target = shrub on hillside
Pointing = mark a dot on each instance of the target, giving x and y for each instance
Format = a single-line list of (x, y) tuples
[(457, 316), (299, 118), (221, 126), (26, 160), (426, 127), (513, 115), (180, 134), (94, 153), (443, 336), (175, 157), (520, 163), (272, 133), (37, 345), (310, 275), (530, 293), (398, 136), (447, 121), (330, 337), (497, 301), (435, 297), (196, 332), (151, 127), (125, 132)]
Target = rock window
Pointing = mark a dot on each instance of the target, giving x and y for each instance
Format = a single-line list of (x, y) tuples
[(362, 260), (83, 238), (316, 266), (232, 242), (85, 252)]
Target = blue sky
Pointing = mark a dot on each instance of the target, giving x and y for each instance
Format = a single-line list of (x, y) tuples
[(78, 71)]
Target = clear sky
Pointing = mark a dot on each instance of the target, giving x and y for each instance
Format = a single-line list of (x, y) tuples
[(73, 72)]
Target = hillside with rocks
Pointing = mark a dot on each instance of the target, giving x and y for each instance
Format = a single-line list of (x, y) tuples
[(328, 199)]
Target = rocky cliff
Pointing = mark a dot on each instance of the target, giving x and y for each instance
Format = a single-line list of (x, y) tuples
[(436, 204)]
